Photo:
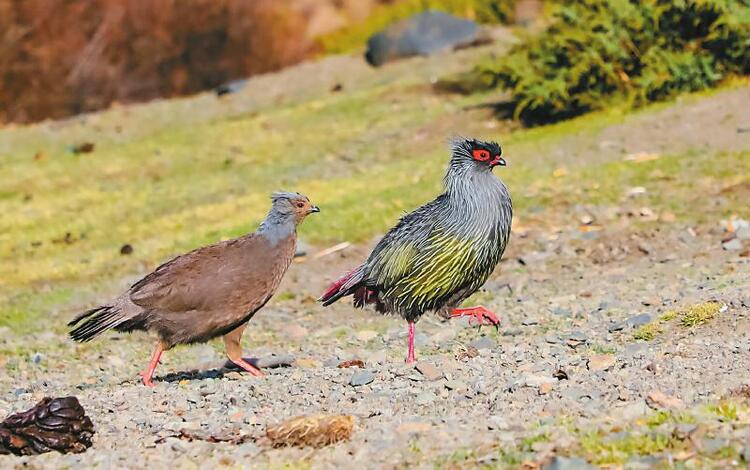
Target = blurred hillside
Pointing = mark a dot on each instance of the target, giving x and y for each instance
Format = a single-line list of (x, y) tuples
[(63, 57)]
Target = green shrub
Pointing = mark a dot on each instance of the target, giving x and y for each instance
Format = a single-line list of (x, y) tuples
[(598, 50), (355, 36)]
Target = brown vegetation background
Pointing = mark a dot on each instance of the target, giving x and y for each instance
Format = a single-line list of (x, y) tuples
[(62, 57)]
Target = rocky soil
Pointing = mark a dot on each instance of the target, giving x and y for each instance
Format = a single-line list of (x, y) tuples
[(565, 363), (625, 342)]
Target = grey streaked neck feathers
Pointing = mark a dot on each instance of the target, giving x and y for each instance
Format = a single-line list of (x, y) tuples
[(277, 226)]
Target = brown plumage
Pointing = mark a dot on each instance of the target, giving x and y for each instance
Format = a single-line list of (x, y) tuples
[(209, 292)]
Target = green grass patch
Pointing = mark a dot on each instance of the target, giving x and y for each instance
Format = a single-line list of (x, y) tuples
[(699, 314), (647, 332)]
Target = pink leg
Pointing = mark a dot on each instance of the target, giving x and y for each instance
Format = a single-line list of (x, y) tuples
[(480, 314), (410, 359), (149, 374), (248, 367)]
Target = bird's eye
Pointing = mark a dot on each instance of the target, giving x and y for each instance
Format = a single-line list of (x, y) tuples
[(481, 155), (300, 205)]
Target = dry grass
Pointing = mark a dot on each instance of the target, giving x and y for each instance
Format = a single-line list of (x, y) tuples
[(311, 431)]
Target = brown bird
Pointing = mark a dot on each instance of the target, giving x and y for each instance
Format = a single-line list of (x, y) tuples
[(209, 292)]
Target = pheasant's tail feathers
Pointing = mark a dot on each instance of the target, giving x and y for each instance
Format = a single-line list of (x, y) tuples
[(343, 286), (98, 320)]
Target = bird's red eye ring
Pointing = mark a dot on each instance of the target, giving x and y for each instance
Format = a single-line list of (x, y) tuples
[(300, 204), (481, 155)]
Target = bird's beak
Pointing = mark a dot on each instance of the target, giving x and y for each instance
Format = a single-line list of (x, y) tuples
[(314, 209), (499, 161)]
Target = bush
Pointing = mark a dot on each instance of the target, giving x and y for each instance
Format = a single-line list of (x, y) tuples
[(61, 57), (599, 50), (355, 36)]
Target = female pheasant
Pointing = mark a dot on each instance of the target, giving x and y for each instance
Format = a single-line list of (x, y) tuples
[(209, 292), (440, 254)]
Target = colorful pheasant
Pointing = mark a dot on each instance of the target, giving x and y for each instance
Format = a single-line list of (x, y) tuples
[(440, 254), (209, 292)]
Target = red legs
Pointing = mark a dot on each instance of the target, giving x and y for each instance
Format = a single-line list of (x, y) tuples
[(478, 314), (149, 373), (410, 359), (234, 351)]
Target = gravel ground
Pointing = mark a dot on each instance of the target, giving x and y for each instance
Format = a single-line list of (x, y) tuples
[(565, 353)]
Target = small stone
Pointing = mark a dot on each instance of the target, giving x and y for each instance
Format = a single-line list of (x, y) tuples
[(545, 388), (639, 320), (568, 463), (425, 398), (413, 428), (429, 371), (658, 399), (732, 245), (307, 363), (270, 362), (601, 362), (456, 385), (537, 380), (485, 342), (743, 233), (362, 377), (37, 358), (377, 357), (529, 322), (711, 445), (562, 312), (367, 335), (295, 331), (683, 430), (746, 454)]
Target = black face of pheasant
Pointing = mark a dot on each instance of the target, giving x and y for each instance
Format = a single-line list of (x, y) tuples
[(440, 254)]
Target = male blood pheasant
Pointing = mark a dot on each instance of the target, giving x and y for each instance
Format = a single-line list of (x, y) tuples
[(440, 254), (209, 292)]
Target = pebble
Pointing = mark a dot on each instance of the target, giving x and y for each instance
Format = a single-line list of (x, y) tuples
[(743, 233), (362, 377), (456, 385), (485, 342), (568, 463), (429, 371), (425, 398), (732, 245), (601, 362)]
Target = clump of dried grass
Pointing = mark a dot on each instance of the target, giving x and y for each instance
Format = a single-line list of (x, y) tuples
[(311, 431)]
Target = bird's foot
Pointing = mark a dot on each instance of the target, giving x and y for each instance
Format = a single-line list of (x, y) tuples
[(479, 314), (146, 379), (243, 364)]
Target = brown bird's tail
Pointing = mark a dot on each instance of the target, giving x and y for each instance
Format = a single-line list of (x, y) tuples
[(98, 320)]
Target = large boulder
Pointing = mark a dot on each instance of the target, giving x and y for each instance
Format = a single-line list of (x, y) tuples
[(422, 34)]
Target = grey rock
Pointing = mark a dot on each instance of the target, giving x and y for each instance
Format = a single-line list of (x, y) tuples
[(485, 342), (362, 377), (746, 454), (743, 233), (568, 463), (732, 245), (425, 398), (456, 385), (639, 320), (712, 445), (562, 312), (683, 430), (37, 358), (429, 371), (422, 34), (529, 321)]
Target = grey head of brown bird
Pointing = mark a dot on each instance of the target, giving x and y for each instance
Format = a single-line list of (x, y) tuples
[(288, 210)]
